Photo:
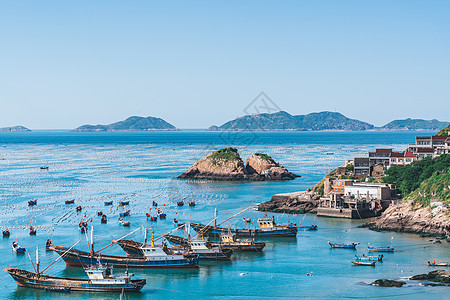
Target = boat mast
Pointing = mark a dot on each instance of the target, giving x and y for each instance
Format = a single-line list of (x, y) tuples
[(92, 241), (215, 217), (37, 260)]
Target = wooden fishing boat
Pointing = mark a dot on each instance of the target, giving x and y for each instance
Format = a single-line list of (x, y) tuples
[(6, 233), (82, 226), (343, 246), (267, 228), (107, 203), (180, 203), (123, 203), (32, 230), (364, 263), (69, 201), (32, 202), (17, 249), (48, 244), (435, 264), (100, 279), (380, 249), (124, 223), (369, 258), (308, 228), (227, 241), (124, 214), (104, 219)]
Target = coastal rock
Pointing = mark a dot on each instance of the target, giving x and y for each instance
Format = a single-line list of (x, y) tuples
[(297, 202), (435, 276), (388, 283), (226, 164), (407, 217), (14, 129)]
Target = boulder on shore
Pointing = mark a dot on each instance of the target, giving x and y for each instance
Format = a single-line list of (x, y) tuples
[(226, 164), (388, 283)]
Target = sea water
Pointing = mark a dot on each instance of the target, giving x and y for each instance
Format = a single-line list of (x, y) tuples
[(142, 167)]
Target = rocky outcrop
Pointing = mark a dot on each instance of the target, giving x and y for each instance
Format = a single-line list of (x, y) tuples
[(388, 283), (14, 128), (131, 124), (408, 217), (440, 276), (297, 202), (226, 164)]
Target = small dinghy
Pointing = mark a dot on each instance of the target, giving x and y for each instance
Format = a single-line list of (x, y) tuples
[(124, 223), (435, 264), (124, 214), (43, 168), (99, 213), (154, 203), (79, 208), (153, 218), (364, 263), (69, 201), (32, 230), (380, 249), (180, 203), (108, 203), (343, 246), (191, 203), (48, 244), (6, 233), (308, 228), (104, 219), (32, 202), (369, 258), (175, 221), (162, 215), (82, 226), (17, 249), (123, 203)]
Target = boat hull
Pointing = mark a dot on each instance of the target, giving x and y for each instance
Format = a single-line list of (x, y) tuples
[(279, 231), (32, 280), (78, 258), (375, 249)]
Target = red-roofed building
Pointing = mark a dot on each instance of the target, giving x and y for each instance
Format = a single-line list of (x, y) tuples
[(430, 146), (402, 158), (425, 152), (380, 156)]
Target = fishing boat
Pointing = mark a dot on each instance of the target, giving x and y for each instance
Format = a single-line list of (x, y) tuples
[(154, 203), (99, 213), (17, 249), (107, 203), (369, 258), (79, 208), (180, 203), (32, 202), (48, 244), (191, 203), (123, 203), (267, 228), (82, 226), (69, 201), (153, 257), (124, 223), (380, 249), (435, 264), (124, 214), (6, 233), (175, 220), (343, 246), (364, 263), (32, 230), (100, 279), (308, 228), (44, 168), (162, 215), (153, 218), (104, 219)]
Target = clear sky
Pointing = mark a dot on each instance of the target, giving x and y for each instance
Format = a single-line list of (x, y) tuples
[(199, 63)]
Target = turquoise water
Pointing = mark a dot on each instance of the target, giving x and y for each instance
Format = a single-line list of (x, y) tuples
[(141, 167)]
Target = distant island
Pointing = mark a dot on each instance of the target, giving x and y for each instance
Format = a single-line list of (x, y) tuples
[(415, 124), (14, 128), (325, 120), (226, 164), (131, 124), (282, 120)]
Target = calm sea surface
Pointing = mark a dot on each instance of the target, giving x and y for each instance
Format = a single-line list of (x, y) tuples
[(141, 167)]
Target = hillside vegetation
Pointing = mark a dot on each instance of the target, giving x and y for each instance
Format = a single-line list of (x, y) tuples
[(444, 132)]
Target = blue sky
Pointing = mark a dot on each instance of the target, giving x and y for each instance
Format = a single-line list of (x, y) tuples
[(199, 63)]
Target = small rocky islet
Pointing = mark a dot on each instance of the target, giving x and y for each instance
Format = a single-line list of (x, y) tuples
[(227, 164)]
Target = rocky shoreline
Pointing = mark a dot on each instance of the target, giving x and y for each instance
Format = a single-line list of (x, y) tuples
[(410, 218)]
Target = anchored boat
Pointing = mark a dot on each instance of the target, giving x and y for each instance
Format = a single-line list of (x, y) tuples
[(343, 246), (369, 258), (435, 264), (17, 249), (380, 249), (364, 263)]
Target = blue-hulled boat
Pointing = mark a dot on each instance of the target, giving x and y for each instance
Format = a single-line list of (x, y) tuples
[(307, 228), (369, 258), (123, 203), (124, 214), (343, 246), (380, 249), (107, 203), (17, 249)]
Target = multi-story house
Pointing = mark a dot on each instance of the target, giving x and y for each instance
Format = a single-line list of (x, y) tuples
[(380, 156), (402, 158), (361, 165)]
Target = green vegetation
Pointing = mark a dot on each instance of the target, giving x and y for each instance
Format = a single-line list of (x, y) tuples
[(349, 168), (444, 132), (415, 124), (226, 154), (265, 157), (131, 124), (421, 180)]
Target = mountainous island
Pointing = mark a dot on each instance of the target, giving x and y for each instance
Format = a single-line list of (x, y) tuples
[(415, 124), (282, 120), (14, 128), (131, 124), (226, 164)]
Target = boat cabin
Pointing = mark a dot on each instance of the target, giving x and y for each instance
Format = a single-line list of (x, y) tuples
[(104, 275), (198, 245), (266, 222), (228, 238)]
